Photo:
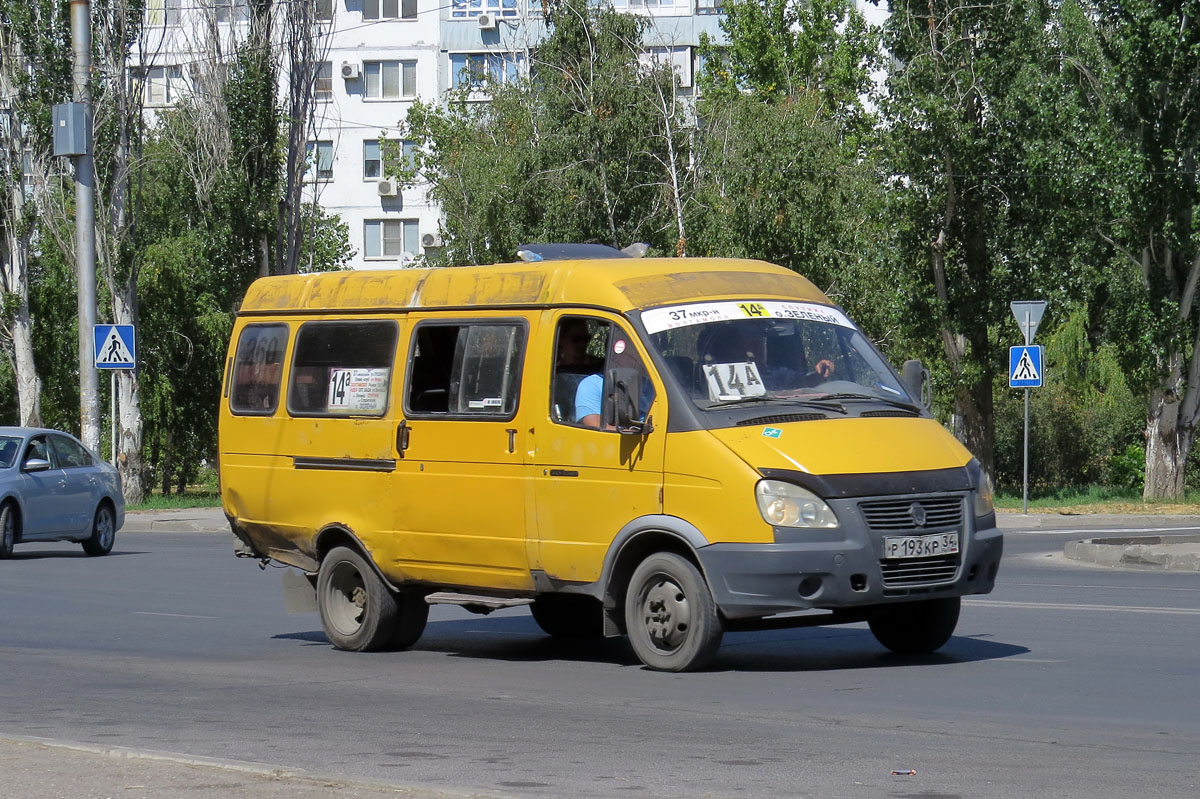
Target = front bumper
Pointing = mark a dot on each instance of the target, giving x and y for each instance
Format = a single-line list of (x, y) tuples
[(845, 568)]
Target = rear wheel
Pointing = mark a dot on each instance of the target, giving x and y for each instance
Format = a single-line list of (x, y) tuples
[(358, 610), (104, 531), (568, 615), (914, 628), (8, 529), (670, 614)]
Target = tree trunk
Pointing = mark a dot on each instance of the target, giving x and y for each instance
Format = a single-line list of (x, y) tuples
[(1168, 438), (129, 412)]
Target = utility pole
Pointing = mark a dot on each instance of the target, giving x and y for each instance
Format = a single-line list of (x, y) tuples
[(85, 228)]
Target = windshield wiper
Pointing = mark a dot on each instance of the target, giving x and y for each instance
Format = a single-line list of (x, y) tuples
[(822, 402), (895, 403)]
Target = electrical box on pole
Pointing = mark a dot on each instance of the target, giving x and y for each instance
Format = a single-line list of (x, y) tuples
[(71, 129)]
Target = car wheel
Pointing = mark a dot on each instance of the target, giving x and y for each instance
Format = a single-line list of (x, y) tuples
[(914, 628), (568, 615), (358, 610), (8, 529), (104, 531), (670, 614)]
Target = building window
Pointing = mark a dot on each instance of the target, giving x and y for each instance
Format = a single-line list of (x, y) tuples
[(475, 70), (391, 80), (373, 158), (462, 9), (320, 161), (710, 7), (164, 85), (163, 12), (231, 10), (324, 10), (649, 5), (323, 82), (389, 9), (678, 58), (390, 238)]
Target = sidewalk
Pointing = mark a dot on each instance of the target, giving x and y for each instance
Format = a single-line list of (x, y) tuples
[(186, 520), (1159, 541), (34, 768)]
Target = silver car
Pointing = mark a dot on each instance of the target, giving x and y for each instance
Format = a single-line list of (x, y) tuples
[(53, 488)]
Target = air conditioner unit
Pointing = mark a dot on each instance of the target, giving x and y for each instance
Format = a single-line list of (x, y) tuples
[(387, 187), (351, 70), (431, 240), (487, 22)]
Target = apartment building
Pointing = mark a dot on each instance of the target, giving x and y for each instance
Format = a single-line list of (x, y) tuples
[(379, 56)]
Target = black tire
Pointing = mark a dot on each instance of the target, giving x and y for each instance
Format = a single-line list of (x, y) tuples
[(568, 615), (8, 529), (359, 612), (916, 628), (670, 614), (104, 531)]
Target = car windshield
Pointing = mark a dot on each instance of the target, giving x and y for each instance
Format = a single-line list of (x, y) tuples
[(747, 352), (8, 450)]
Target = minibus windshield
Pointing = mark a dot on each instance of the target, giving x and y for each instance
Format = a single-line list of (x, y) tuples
[(727, 353)]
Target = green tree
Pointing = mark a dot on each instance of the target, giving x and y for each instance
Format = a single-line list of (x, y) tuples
[(1154, 54), (581, 150), (995, 146)]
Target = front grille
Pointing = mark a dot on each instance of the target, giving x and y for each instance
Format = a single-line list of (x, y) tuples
[(897, 514), (897, 412), (897, 573), (783, 419)]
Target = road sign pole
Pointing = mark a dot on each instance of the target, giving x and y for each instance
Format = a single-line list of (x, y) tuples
[(113, 415), (1025, 470)]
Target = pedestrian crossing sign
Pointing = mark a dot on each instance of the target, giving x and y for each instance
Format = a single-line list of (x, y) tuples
[(1025, 366), (113, 346)]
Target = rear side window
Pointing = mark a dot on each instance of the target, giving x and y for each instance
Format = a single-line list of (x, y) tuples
[(68, 454), (257, 369), (467, 371), (342, 368)]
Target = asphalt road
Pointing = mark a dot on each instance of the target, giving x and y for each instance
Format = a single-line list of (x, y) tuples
[(1069, 680)]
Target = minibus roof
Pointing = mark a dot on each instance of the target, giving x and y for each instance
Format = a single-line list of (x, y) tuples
[(619, 284)]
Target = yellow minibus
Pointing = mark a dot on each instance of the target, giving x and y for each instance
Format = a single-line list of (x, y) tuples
[(663, 448)]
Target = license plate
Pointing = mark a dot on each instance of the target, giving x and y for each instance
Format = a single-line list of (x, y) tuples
[(920, 546)]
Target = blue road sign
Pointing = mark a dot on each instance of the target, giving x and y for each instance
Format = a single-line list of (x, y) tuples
[(1025, 366), (113, 346)]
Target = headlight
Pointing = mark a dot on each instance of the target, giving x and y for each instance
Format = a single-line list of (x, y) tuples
[(983, 496), (787, 505)]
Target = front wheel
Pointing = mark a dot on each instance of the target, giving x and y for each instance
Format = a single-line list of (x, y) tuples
[(358, 610), (670, 614), (8, 529), (104, 532), (916, 628)]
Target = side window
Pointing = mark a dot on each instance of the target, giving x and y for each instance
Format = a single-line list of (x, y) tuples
[(467, 371), (68, 454), (579, 346), (257, 369), (342, 368), (608, 351)]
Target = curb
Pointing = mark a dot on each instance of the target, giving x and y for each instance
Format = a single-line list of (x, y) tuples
[(1169, 553)]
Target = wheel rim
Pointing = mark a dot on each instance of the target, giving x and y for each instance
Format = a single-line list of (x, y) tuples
[(666, 613), (9, 533), (345, 599), (104, 528)]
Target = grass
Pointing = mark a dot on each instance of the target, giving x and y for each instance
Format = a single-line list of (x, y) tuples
[(1098, 499), (192, 498)]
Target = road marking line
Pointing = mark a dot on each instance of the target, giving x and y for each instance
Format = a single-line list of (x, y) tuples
[(172, 615), (991, 603)]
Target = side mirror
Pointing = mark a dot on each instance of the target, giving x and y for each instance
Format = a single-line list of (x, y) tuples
[(915, 378), (35, 465), (625, 393)]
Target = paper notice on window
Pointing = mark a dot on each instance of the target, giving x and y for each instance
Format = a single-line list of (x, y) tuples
[(358, 390), (733, 381)]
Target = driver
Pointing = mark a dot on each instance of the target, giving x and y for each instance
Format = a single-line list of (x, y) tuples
[(740, 343)]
